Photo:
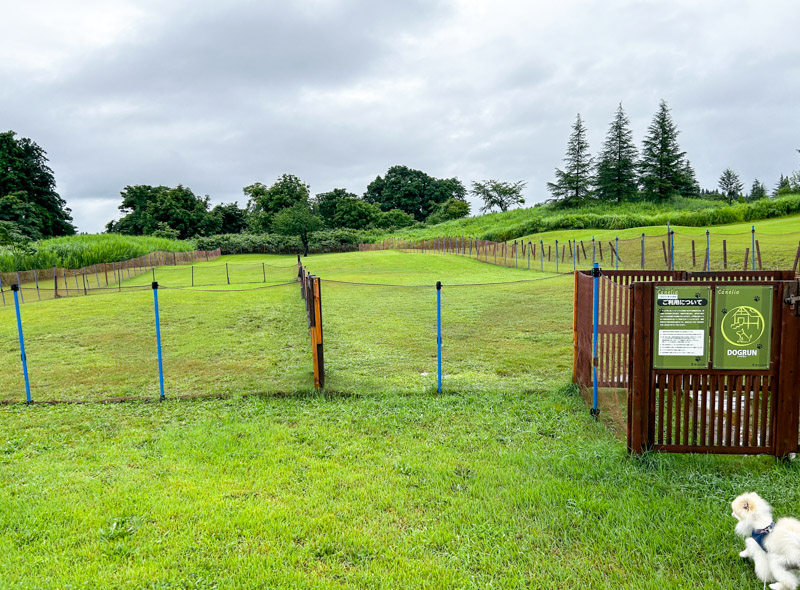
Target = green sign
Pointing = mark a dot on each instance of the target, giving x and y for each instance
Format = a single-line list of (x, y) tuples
[(743, 327), (681, 326)]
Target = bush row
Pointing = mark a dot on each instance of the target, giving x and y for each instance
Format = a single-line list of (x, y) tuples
[(336, 240), (738, 213)]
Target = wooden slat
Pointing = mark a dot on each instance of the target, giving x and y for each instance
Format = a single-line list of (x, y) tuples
[(703, 411), (659, 384), (721, 411), (695, 380)]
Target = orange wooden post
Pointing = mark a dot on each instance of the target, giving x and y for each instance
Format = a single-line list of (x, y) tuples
[(316, 335)]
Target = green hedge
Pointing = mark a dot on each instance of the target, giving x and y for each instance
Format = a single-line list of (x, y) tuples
[(508, 226), (337, 240)]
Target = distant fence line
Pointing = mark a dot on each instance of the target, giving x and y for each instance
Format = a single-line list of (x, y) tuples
[(64, 282), (661, 252)]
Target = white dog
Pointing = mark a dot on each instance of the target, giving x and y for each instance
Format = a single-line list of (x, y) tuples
[(773, 546)]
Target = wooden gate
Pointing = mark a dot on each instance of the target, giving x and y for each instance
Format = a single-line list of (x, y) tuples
[(613, 358), (710, 410)]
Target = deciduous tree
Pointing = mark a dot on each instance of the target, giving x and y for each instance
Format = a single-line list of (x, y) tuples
[(24, 173), (297, 220), (412, 191), (265, 202), (496, 193)]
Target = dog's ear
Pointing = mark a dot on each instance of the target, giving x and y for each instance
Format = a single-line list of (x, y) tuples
[(746, 506)]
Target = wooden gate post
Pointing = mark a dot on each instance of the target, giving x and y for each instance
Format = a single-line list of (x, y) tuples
[(788, 404), (640, 434)]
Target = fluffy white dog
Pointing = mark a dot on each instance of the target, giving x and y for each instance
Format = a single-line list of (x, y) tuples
[(774, 547)]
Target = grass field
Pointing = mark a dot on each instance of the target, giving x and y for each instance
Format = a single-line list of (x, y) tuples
[(502, 481)]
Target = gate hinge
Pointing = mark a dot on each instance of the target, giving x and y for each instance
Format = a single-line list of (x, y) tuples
[(596, 272)]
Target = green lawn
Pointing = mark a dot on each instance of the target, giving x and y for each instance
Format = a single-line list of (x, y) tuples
[(502, 481)]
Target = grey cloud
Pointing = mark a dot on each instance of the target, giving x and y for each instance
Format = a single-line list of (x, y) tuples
[(217, 96)]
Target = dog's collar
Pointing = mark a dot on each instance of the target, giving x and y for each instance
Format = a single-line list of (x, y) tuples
[(761, 534)]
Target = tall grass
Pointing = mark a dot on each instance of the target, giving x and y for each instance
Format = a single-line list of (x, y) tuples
[(83, 250), (610, 216)]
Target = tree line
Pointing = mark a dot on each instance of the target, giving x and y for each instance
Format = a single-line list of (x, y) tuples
[(657, 173), (401, 198), (30, 207)]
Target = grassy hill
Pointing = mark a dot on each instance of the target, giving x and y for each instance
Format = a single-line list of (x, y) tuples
[(602, 216)]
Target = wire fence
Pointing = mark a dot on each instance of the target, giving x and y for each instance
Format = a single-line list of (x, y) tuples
[(671, 251), (57, 282), (247, 338)]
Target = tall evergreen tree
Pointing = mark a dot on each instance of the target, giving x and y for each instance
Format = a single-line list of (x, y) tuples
[(781, 187), (663, 165), (757, 191), (689, 186), (574, 184), (730, 185), (616, 168)]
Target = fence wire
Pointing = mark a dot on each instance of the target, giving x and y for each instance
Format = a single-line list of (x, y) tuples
[(238, 341), (678, 251)]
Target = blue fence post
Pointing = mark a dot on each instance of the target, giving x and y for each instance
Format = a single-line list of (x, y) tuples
[(15, 289), (672, 249), (439, 335), (616, 252), (594, 412), (708, 250), (753, 249), (158, 340)]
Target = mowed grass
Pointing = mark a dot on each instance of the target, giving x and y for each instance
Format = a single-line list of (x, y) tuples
[(501, 481)]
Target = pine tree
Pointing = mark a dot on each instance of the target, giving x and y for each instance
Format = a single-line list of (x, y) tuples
[(757, 191), (781, 187), (616, 169), (730, 185), (573, 185), (663, 166), (689, 187)]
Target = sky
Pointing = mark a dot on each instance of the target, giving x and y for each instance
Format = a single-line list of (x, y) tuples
[(219, 95)]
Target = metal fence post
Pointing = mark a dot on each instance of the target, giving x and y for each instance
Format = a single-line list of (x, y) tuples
[(19, 284), (227, 274), (439, 334), (594, 412), (541, 258), (642, 250), (2, 293), (556, 255), (708, 250), (753, 250), (158, 340), (15, 288)]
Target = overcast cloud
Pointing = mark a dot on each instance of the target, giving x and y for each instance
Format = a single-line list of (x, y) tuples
[(218, 95)]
